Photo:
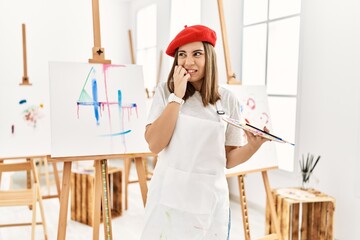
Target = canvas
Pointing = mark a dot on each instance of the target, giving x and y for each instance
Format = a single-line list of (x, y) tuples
[(96, 109), (24, 121), (254, 109)]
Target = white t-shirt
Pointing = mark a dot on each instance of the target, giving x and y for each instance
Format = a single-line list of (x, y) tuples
[(194, 107)]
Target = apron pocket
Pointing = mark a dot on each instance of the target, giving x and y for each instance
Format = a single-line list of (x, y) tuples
[(189, 192)]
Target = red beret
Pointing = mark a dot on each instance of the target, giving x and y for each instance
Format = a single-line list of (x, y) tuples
[(196, 33)]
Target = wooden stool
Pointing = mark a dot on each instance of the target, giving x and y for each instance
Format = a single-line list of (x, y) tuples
[(82, 194), (303, 214)]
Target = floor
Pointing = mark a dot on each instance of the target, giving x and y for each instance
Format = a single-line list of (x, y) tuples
[(127, 226)]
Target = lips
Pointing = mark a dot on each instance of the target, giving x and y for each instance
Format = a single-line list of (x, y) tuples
[(191, 71)]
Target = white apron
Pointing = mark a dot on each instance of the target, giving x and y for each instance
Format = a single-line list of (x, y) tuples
[(188, 195)]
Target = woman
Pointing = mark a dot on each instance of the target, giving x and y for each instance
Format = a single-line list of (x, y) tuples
[(188, 195)]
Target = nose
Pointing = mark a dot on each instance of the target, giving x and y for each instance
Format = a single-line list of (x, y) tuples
[(189, 60)]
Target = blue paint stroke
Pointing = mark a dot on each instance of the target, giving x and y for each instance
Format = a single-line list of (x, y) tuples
[(119, 100), (120, 109), (96, 103), (22, 101), (116, 134)]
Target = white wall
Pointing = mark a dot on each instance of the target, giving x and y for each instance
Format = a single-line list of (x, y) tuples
[(329, 104), (58, 31)]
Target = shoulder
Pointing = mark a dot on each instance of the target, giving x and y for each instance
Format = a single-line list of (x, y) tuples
[(227, 96), (162, 90)]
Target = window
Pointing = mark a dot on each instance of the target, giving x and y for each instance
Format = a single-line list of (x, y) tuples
[(146, 44), (270, 48)]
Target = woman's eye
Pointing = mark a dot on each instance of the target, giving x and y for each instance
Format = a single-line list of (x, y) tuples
[(196, 54), (181, 54)]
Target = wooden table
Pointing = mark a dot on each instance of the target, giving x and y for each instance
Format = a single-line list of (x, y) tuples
[(303, 214), (100, 164)]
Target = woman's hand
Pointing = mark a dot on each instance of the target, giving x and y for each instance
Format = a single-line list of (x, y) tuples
[(180, 78), (254, 140)]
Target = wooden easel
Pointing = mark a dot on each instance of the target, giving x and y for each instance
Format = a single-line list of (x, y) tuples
[(97, 51), (101, 186), (25, 78), (231, 80), (131, 47), (230, 74), (56, 173)]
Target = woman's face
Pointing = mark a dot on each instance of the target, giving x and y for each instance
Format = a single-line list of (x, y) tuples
[(191, 56)]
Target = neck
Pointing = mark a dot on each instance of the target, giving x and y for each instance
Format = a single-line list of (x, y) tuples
[(197, 85)]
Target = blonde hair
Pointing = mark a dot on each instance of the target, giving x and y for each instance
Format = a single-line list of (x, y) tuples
[(209, 89)]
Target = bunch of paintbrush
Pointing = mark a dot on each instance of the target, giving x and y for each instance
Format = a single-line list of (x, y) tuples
[(307, 166)]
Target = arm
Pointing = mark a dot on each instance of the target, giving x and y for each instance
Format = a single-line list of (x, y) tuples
[(159, 133), (237, 155)]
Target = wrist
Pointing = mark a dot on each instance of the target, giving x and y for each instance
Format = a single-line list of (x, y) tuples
[(176, 99)]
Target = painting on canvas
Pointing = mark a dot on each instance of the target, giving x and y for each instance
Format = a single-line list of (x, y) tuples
[(96, 109), (254, 110), (24, 121)]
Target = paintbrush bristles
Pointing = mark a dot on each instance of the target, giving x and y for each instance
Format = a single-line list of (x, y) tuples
[(307, 166)]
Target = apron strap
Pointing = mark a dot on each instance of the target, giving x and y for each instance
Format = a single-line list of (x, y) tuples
[(219, 108)]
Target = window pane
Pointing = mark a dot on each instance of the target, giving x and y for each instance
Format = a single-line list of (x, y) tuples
[(184, 12), (147, 58), (283, 115), (146, 27), (283, 56), (281, 8), (255, 11), (254, 55)]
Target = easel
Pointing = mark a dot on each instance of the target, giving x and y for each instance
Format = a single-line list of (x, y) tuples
[(131, 47), (101, 186), (230, 74), (97, 51), (231, 80), (25, 78), (28, 158), (26, 82)]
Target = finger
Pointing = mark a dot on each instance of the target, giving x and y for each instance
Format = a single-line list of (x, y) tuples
[(249, 135), (183, 72), (177, 70), (266, 129)]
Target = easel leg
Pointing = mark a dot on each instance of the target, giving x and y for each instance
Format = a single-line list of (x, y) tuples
[(270, 199), (142, 178), (127, 165), (97, 199), (244, 207), (64, 200), (106, 201), (47, 177), (1, 161), (28, 179), (57, 179)]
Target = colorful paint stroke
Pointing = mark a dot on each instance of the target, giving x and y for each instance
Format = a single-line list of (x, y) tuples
[(249, 110), (99, 106), (31, 114)]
